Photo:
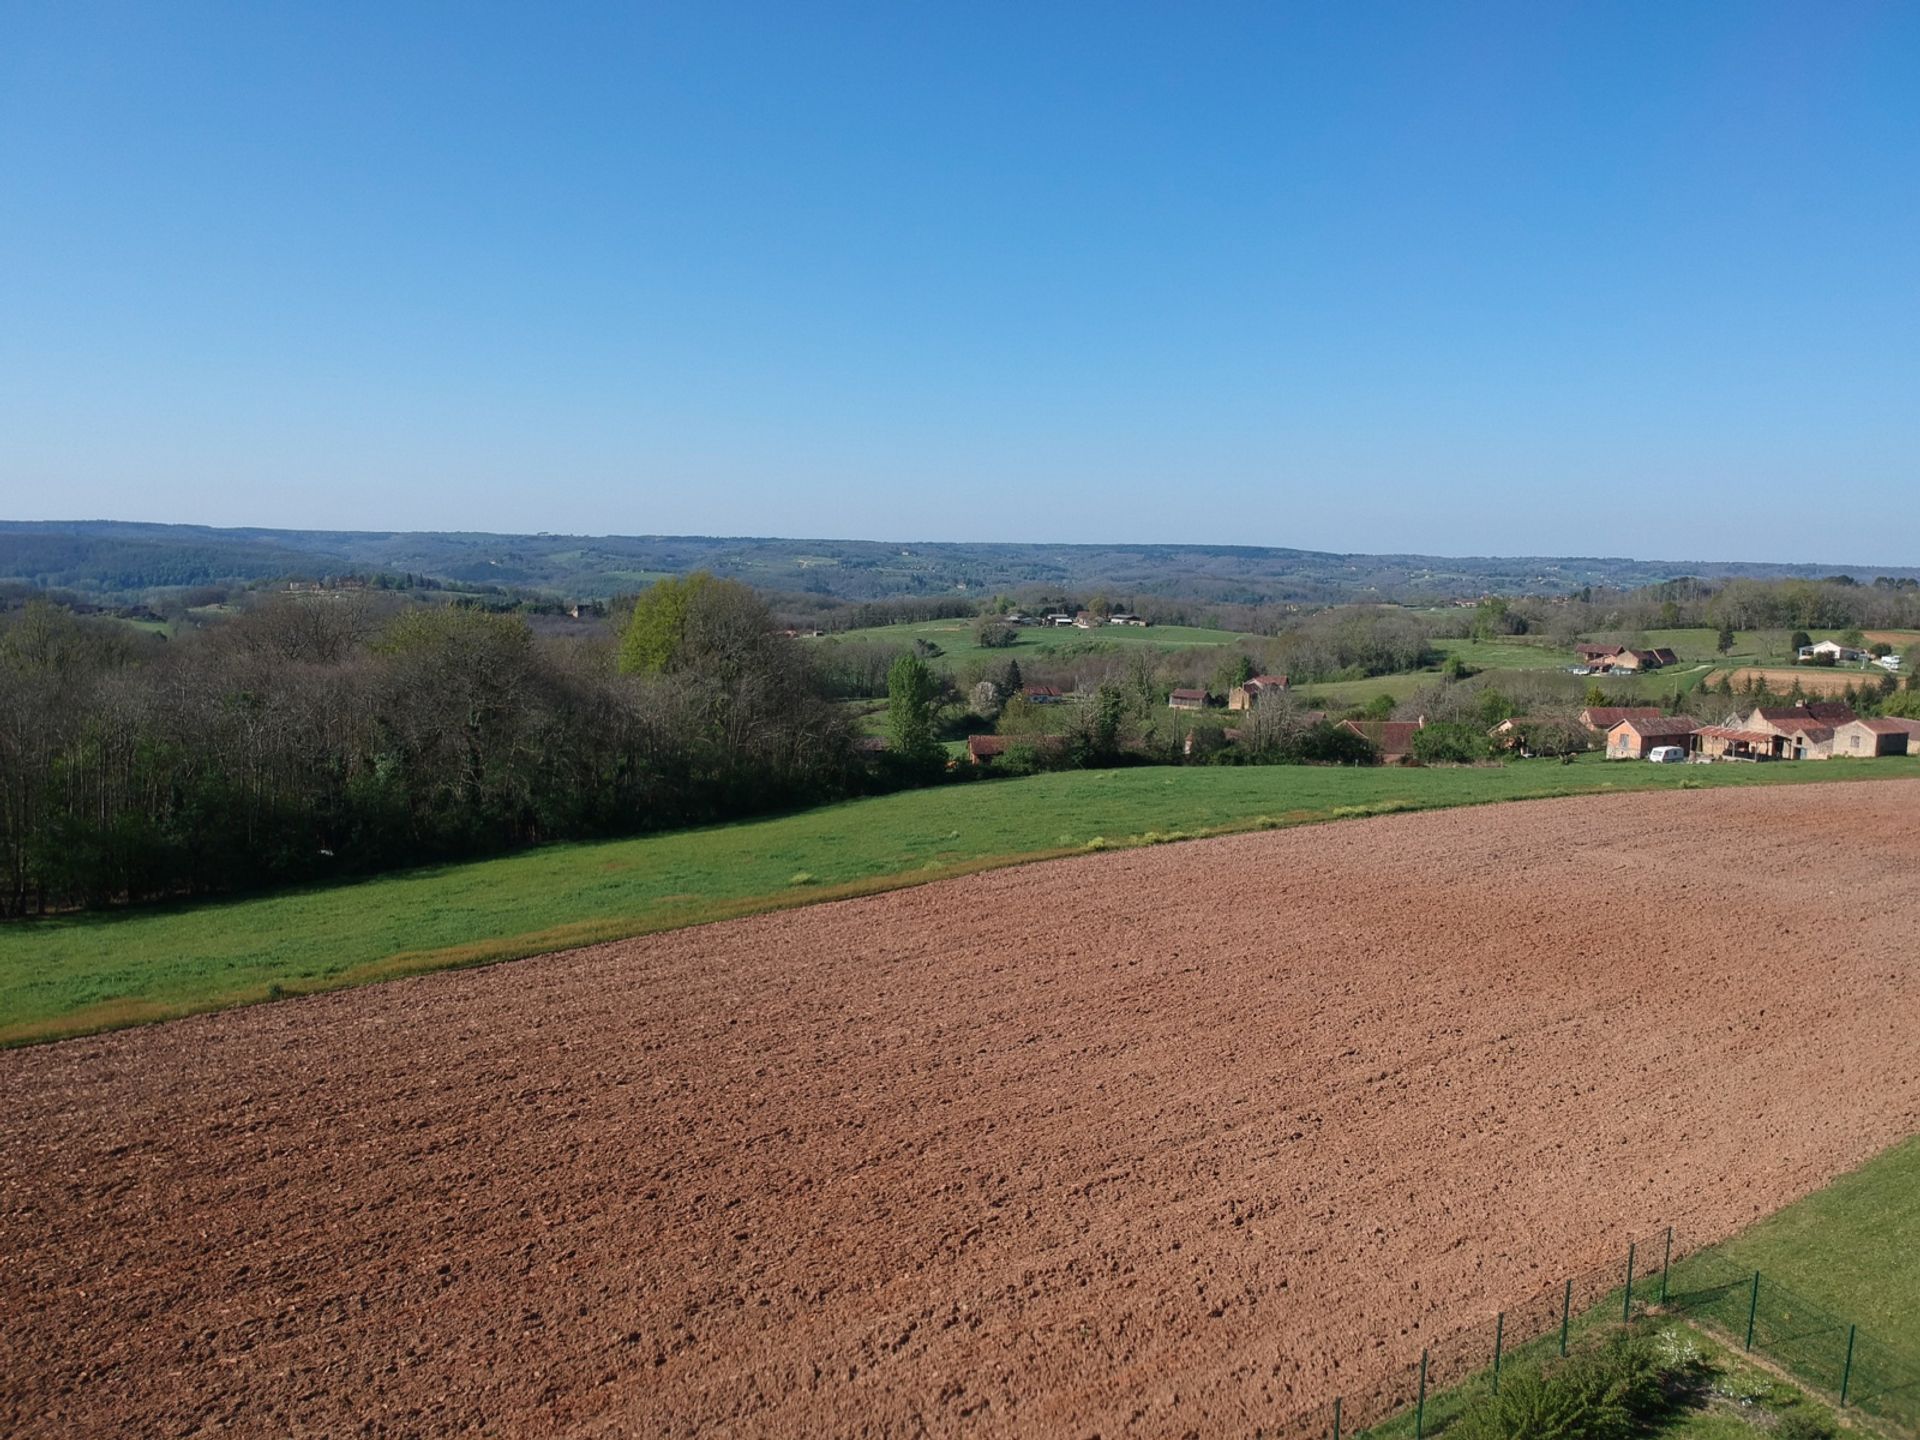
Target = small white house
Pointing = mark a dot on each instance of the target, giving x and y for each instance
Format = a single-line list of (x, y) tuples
[(1842, 654)]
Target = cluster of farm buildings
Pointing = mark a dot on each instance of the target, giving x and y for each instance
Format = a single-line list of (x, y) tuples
[(1078, 619), (1817, 730), (1619, 660)]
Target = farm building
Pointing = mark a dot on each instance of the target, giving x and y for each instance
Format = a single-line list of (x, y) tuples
[(1604, 717), (1125, 617), (1864, 739), (1245, 697), (1633, 662), (1811, 741), (1732, 742), (1042, 694), (1609, 659), (1188, 700), (985, 749), (1392, 738), (1632, 739), (1783, 720), (1777, 732), (1833, 650)]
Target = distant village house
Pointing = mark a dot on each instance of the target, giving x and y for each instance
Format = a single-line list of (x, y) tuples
[(1245, 697), (1634, 739), (1392, 738)]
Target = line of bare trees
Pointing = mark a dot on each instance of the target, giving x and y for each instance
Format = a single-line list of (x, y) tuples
[(335, 735)]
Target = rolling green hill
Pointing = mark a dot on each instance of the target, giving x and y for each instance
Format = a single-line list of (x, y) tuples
[(116, 557), (955, 639)]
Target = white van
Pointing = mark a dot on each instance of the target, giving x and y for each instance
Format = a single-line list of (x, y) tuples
[(1667, 755)]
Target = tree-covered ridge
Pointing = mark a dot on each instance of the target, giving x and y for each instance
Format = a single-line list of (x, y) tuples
[(121, 558)]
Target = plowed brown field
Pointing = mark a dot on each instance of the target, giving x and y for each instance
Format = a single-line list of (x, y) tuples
[(1813, 680), (1155, 1142)]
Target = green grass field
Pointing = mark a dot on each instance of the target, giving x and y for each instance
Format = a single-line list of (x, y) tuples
[(73, 974), (1853, 1247), (955, 639), (1341, 695), (1515, 652)]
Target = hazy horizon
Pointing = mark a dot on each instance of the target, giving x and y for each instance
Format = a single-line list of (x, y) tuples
[(1839, 563), (1485, 279)]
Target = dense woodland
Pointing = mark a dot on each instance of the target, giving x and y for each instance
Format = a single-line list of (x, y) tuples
[(282, 736), (337, 734)]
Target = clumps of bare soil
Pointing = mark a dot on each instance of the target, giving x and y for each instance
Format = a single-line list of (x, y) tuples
[(1154, 1142)]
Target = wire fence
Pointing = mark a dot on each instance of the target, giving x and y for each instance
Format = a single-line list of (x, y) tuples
[(1661, 1274)]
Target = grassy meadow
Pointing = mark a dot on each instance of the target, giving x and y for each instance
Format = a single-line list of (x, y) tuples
[(1528, 664), (73, 974), (955, 639), (1853, 1247)]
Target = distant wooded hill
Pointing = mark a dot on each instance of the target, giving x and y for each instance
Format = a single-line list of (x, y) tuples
[(124, 559)]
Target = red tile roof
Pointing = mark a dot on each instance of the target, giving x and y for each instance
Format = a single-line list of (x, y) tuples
[(1605, 717), (1728, 732), (1647, 726), (1819, 712), (986, 747), (1390, 737), (1188, 695)]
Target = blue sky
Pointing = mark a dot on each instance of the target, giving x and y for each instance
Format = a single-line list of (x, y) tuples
[(1463, 278)]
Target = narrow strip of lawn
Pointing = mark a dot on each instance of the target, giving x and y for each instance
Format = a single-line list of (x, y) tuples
[(73, 975)]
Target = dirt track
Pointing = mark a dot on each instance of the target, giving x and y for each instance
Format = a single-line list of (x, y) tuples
[(1153, 1142)]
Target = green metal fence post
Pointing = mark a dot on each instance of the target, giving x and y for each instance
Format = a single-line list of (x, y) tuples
[(1420, 1409), (1846, 1375), (1499, 1335), (1566, 1315), (1626, 1305), (1666, 1264), (1753, 1308)]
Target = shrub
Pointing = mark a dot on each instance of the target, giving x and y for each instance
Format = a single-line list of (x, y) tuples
[(1604, 1392), (1450, 741), (1804, 1423), (992, 633)]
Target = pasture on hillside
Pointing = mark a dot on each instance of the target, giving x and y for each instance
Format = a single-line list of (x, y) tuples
[(955, 639), (1533, 664), (99, 970)]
